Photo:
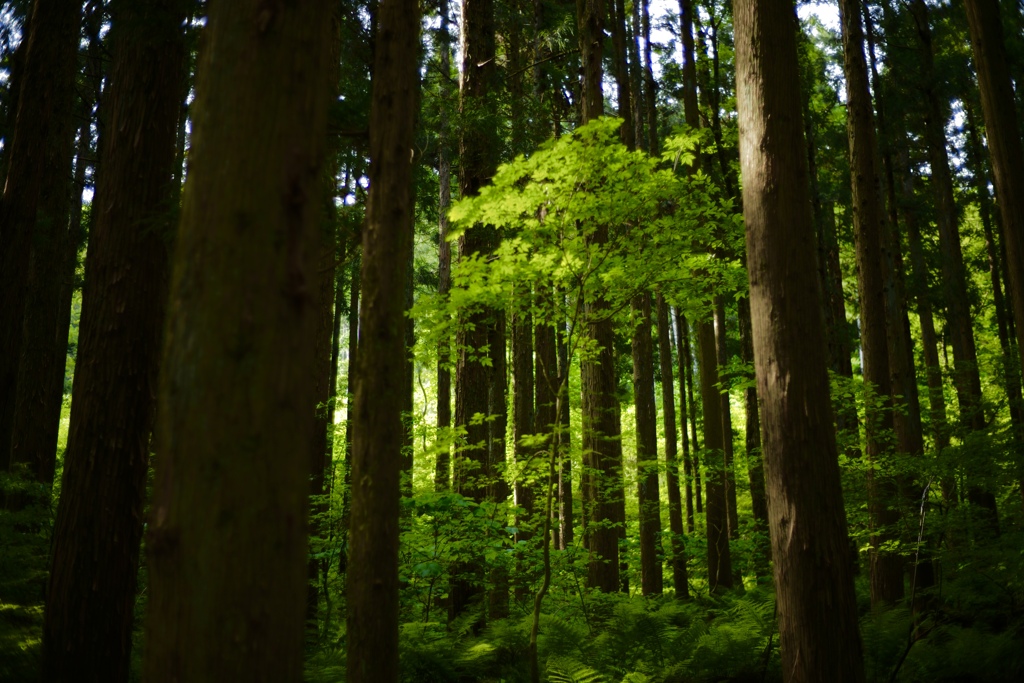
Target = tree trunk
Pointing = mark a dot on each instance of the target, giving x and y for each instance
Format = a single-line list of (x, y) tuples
[(719, 559), (869, 224), (684, 423), (818, 630), (91, 593), (562, 434), (442, 476), (695, 465), (1004, 142), (478, 152), (677, 541), (648, 492), (227, 535), (755, 462), (721, 347), (34, 212), (524, 424)]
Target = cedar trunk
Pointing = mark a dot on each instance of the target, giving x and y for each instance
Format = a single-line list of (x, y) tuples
[(34, 212), (818, 630), (378, 436), (91, 595), (869, 224), (227, 532)]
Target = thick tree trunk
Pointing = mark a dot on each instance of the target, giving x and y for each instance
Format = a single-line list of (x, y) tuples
[(91, 595), (381, 383), (227, 534), (34, 212), (677, 541), (869, 224), (818, 631)]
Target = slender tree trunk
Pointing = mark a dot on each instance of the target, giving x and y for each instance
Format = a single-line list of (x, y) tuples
[(677, 541), (1004, 143), (478, 153), (603, 480), (546, 381), (442, 477), (34, 212), (719, 559), (818, 630), (722, 346), (381, 383), (89, 608), (355, 276), (1011, 370), (524, 424), (755, 462), (562, 434), (648, 491), (684, 423), (695, 465), (869, 224), (227, 533)]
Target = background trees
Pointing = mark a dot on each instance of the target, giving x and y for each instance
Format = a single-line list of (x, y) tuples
[(473, 212)]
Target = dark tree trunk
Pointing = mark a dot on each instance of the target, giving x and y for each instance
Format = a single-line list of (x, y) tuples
[(677, 541), (562, 434), (684, 425), (721, 347), (719, 559), (34, 212), (378, 432), (478, 152), (603, 476), (695, 464), (870, 227), (755, 462), (1004, 143), (227, 533), (818, 630), (350, 382), (91, 596), (648, 492), (442, 476)]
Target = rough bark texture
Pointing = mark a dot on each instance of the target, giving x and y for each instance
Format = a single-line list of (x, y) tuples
[(34, 212), (91, 595), (677, 541), (227, 533), (869, 224), (648, 492), (381, 382), (818, 631), (1004, 142)]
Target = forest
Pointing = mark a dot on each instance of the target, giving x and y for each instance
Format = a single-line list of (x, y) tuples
[(606, 341)]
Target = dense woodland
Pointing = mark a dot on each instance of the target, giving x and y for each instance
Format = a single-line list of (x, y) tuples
[(378, 341)]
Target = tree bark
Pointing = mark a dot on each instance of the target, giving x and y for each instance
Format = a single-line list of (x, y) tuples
[(1004, 142), (677, 541), (91, 594), (562, 440), (648, 491), (818, 630), (684, 422), (227, 533), (381, 383), (442, 476), (869, 225), (34, 212)]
